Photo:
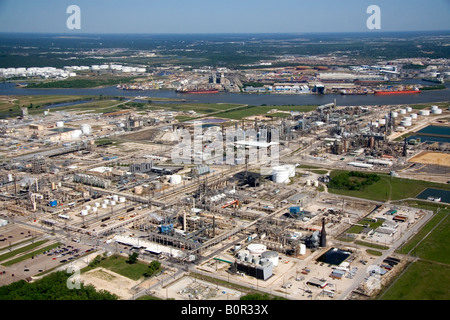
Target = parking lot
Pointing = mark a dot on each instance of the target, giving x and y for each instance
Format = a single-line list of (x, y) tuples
[(46, 261)]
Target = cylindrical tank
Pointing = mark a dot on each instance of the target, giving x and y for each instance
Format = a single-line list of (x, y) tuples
[(94, 209), (86, 129), (175, 179), (402, 111), (408, 109), (281, 174), (424, 112), (272, 256), (394, 114), (256, 249), (382, 122), (104, 205), (116, 197), (122, 199), (88, 207), (316, 183), (405, 123), (308, 182), (84, 212), (434, 107), (106, 201), (60, 124), (75, 134), (437, 111), (97, 204), (113, 203), (413, 116)]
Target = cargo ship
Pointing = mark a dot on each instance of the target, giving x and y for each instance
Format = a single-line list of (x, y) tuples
[(199, 91), (396, 90), (353, 92)]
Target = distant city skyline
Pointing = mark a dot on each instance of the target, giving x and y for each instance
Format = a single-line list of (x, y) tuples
[(233, 16)]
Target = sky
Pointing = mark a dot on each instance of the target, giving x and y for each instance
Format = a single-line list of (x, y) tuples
[(224, 16)]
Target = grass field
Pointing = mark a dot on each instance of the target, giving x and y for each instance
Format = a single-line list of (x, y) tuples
[(389, 188), (119, 265), (261, 110), (428, 277)]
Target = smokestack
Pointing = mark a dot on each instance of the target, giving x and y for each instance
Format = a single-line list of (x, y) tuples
[(323, 235), (184, 221)]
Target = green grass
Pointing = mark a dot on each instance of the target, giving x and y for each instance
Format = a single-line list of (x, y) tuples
[(261, 110), (119, 265), (29, 247), (423, 280), (30, 254), (389, 188)]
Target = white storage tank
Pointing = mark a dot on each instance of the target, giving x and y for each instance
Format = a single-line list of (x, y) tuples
[(94, 209), (394, 114), (59, 124), (437, 111), (408, 109), (281, 174), (402, 111), (413, 116), (256, 249), (88, 207), (104, 205), (97, 204), (113, 203), (405, 123), (84, 212), (175, 179), (316, 183), (122, 199), (308, 182), (272, 256), (434, 108), (86, 129), (116, 197), (76, 134), (382, 122), (424, 112)]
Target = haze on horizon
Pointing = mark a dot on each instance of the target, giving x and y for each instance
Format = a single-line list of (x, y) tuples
[(234, 16)]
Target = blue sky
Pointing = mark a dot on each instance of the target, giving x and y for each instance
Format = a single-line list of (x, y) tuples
[(224, 16)]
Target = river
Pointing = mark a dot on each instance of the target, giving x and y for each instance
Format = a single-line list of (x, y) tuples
[(7, 88)]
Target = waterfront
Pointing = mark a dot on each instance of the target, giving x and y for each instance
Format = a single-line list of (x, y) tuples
[(242, 98)]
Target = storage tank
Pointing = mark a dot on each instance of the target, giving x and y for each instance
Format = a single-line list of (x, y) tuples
[(424, 112), (59, 124), (256, 249), (84, 212), (94, 209), (302, 249), (97, 204), (175, 179), (308, 182), (115, 197), (272, 256), (437, 111), (76, 134), (434, 108), (113, 203), (281, 174), (88, 207), (316, 183), (104, 205), (382, 122), (122, 199), (413, 116), (86, 129), (394, 114), (408, 109), (405, 123), (402, 111)]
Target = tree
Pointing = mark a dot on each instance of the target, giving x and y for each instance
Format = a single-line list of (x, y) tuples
[(132, 258)]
